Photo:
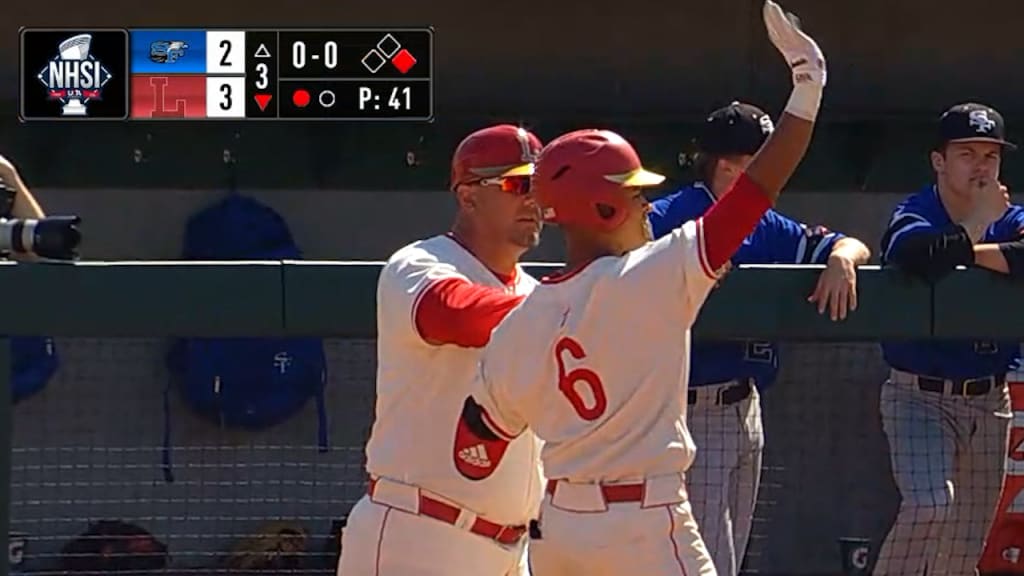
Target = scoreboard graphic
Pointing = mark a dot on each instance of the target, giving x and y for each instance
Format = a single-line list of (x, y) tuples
[(150, 74)]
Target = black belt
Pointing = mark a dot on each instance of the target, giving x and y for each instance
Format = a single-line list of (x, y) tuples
[(727, 396), (965, 387)]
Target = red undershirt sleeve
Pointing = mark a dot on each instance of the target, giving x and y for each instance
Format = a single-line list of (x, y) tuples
[(732, 219), (454, 311)]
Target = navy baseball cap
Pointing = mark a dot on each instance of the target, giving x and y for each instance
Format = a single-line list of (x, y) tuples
[(736, 129), (973, 122)]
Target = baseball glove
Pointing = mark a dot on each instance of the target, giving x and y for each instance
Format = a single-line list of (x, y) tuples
[(276, 545)]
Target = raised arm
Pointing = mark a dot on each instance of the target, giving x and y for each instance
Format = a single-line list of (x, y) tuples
[(734, 217)]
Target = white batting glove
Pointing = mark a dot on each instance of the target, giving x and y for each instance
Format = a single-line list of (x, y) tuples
[(804, 58)]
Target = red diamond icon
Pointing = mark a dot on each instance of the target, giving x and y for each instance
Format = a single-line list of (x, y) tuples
[(404, 61)]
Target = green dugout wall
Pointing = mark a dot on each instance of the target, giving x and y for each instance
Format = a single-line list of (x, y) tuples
[(126, 300)]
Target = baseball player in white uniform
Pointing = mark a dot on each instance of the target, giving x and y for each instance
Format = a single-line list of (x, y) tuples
[(437, 301), (595, 360)]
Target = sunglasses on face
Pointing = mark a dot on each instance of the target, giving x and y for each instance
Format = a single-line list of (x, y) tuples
[(516, 185)]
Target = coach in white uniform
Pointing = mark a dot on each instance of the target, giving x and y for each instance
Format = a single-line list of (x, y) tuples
[(437, 301)]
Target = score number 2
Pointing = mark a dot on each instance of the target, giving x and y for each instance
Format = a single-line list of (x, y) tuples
[(330, 54), (568, 380)]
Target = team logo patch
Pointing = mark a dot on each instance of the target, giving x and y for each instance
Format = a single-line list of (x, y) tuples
[(167, 51), (476, 451), (475, 455), (980, 121)]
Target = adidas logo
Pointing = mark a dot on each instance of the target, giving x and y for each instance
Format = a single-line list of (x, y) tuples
[(475, 455)]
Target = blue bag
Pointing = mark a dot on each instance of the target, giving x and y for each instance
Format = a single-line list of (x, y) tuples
[(34, 361), (246, 382)]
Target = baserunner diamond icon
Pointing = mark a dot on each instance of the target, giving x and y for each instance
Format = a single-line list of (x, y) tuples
[(388, 45), (373, 61), (404, 60)]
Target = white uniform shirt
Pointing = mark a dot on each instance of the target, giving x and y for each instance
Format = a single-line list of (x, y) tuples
[(421, 389), (596, 363)]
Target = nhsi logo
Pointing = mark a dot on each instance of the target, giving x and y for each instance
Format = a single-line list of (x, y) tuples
[(74, 76)]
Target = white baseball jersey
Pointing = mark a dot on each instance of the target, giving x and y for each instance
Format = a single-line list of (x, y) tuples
[(421, 389), (596, 363)]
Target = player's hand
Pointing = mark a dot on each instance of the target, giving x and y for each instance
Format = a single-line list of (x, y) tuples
[(991, 200), (837, 288), (8, 173), (801, 52)]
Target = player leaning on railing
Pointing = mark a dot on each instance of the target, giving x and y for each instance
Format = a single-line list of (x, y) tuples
[(946, 407), (727, 378)]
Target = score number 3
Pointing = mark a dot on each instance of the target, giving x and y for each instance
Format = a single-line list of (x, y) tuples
[(568, 380), (262, 81)]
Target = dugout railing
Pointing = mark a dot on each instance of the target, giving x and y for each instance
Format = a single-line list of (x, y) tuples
[(125, 300)]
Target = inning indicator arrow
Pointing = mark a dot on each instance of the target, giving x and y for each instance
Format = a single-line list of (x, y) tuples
[(262, 100)]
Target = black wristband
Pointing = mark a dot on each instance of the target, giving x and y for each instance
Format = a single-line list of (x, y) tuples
[(957, 247), (933, 255)]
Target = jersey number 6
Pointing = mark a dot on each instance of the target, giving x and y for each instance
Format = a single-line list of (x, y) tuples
[(567, 381)]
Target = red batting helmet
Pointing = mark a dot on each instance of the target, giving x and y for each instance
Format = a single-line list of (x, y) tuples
[(579, 179), (495, 152)]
